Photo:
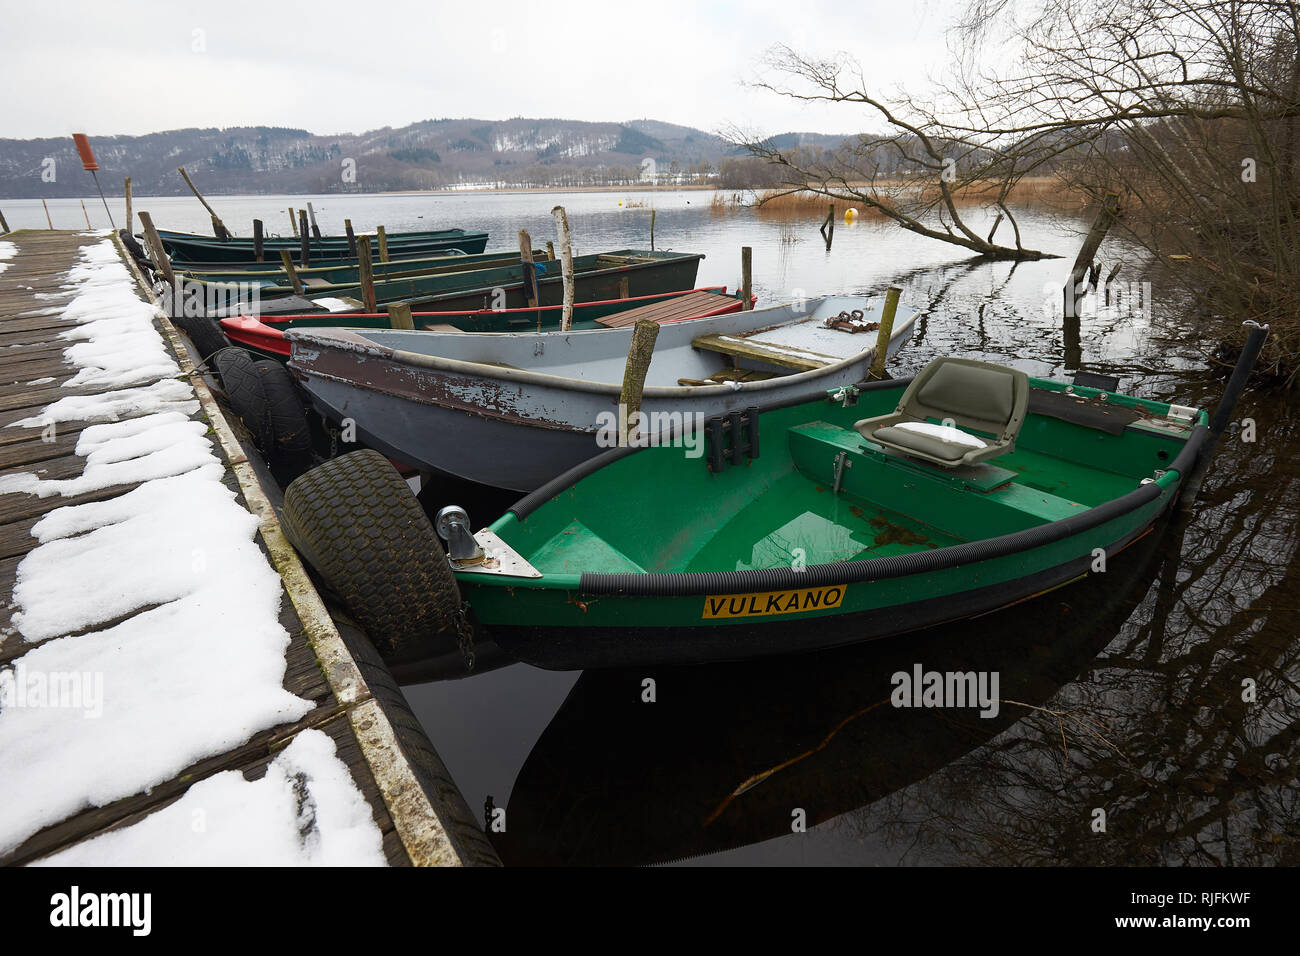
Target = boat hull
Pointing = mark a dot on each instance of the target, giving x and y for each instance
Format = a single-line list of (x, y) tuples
[(692, 640)]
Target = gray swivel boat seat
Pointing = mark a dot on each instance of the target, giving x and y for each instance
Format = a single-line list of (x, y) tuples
[(963, 394)]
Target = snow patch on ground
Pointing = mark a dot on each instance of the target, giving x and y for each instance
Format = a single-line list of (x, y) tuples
[(7, 251), (304, 812), (198, 669)]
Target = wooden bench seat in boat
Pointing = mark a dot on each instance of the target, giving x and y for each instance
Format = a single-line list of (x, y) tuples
[(769, 353), (973, 502), (670, 310)]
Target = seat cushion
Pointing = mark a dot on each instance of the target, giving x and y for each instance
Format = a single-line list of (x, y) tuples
[(926, 444)]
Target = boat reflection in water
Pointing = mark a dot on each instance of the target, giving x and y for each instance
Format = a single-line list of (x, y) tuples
[(726, 754)]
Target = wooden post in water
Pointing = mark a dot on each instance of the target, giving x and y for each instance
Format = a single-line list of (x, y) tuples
[(639, 352), (828, 226), (293, 222), (257, 240), (305, 236), (566, 265), (383, 243), (531, 295), (352, 238), (86, 214), (367, 271), (550, 251), (127, 193), (746, 277), (47, 214), (315, 229), (286, 262), (886, 332), (158, 253), (399, 316), (652, 230), (1107, 215), (212, 212), (4, 226)]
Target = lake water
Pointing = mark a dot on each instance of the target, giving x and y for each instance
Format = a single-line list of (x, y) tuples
[(1134, 688)]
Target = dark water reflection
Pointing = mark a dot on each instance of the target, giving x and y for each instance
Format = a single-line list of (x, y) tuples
[(1140, 670)]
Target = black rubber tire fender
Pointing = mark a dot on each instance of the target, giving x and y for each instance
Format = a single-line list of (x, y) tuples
[(290, 452), (356, 522), (244, 392), (206, 335)]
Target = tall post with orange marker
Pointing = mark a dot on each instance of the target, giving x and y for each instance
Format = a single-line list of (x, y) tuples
[(89, 164)]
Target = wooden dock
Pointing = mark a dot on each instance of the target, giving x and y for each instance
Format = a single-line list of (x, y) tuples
[(353, 699)]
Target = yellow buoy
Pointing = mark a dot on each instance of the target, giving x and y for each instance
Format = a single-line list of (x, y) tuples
[(850, 214), (620, 202)]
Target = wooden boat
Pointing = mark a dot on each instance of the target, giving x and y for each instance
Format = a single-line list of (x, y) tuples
[(826, 537), (183, 246), (624, 273), (514, 410), (265, 335)]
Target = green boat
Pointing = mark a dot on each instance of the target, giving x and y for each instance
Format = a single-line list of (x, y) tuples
[(623, 273), (871, 511), (185, 246), (273, 280)]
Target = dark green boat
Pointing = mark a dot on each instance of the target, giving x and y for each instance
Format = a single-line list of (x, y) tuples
[(622, 273), (273, 280), (872, 511), (185, 246)]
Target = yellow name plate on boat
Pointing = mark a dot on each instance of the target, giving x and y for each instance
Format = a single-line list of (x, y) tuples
[(772, 602)]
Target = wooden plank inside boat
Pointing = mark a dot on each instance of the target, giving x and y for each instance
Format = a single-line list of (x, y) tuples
[(681, 307), (800, 360)]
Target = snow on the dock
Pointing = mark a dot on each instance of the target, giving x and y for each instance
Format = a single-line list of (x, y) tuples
[(304, 812), (157, 616), (7, 250)]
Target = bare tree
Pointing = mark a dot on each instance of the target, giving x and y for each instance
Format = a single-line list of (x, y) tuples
[(1187, 109)]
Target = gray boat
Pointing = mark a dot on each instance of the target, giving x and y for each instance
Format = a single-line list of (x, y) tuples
[(513, 410)]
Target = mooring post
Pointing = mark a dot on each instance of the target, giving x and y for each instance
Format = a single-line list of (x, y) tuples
[(159, 255), (652, 230), (366, 269), (1106, 216), (531, 296), (640, 351), (47, 214), (886, 332), (305, 238), (286, 262), (315, 229), (1191, 488), (828, 226), (399, 316), (257, 240), (383, 243), (4, 226), (550, 251), (212, 212), (86, 214), (352, 238), (746, 278), (127, 193), (293, 222), (566, 265)]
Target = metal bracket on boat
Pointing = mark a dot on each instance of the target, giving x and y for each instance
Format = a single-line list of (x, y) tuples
[(841, 462), (847, 396), (1181, 413), (730, 436), (498, 558)]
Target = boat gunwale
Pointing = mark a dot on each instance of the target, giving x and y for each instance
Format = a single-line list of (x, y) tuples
[(345, 340)]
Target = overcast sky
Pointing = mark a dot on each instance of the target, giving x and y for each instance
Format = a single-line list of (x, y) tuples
[(338, 66)]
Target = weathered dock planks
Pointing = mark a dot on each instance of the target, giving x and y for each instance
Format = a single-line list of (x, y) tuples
[(414, 803)]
